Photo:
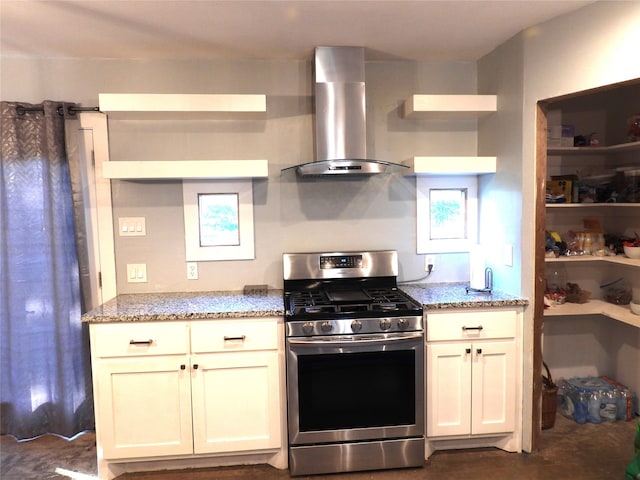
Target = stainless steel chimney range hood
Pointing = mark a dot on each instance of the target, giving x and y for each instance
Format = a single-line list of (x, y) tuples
[(341, 130)]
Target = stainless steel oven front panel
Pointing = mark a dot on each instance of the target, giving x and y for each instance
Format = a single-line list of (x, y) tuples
[(355, 387)]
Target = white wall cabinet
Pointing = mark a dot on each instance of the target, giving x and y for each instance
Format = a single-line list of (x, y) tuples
[(473, 379), (185, 389)]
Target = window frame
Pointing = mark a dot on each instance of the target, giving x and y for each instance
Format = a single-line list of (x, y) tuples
[(424, 185), (194, 252)]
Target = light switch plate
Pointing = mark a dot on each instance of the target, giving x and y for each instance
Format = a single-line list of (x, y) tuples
[(136, 272), (132, 226)]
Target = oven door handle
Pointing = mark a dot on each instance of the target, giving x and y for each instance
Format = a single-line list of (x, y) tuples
[(339, 340)]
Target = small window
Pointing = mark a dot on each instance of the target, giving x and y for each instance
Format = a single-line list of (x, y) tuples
[(447, 213), (218, 220)]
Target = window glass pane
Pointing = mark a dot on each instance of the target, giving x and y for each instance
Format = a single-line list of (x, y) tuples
[(219, 220), (448, 214)]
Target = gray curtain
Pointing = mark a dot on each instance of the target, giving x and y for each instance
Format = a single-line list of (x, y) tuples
[(45, 383)]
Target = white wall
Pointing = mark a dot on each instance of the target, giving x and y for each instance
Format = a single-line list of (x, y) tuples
[(592, 47), (290, 215)]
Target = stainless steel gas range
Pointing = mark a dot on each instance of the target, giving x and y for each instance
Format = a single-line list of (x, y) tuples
[(355, 364)]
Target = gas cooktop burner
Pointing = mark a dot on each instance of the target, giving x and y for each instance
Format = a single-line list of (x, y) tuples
[(348, 285), (368, 301)]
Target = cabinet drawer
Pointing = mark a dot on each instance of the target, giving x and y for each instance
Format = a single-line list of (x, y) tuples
[(224, 336), (139, 339), (471, 325)]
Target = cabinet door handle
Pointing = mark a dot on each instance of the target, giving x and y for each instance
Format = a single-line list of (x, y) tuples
[(467, 351), (479, 351), (141, 342), (195, 366), (479, 328), (230, 339), (183, 367)]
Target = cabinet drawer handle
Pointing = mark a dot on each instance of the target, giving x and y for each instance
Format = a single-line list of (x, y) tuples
[(183, 367), (479, 328), (230, 339), (141, 342)]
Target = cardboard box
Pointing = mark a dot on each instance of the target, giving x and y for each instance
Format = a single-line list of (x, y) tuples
[(559, 191)]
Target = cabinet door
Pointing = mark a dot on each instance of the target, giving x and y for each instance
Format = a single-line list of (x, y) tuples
[(236, 402), (493, 403), (144, 407), (448, 389)]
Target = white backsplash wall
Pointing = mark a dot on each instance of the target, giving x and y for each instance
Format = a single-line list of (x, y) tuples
[(290, 214)]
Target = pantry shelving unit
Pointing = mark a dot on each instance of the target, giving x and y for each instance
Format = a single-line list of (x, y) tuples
[(618, 216), (596, 337)]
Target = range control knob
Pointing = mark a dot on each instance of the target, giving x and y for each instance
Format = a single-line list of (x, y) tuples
[(385, 323), (307, 328), (403, 324), (326, 326), (356, 326)]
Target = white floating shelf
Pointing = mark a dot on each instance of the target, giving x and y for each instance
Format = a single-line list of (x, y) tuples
[(204, 169), (451, 165), (450, 106), (150, 105)]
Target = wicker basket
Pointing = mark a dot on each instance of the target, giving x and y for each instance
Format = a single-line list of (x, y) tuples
[(549, 400)]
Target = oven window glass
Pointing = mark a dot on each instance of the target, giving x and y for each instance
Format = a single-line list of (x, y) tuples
[(355, 390)]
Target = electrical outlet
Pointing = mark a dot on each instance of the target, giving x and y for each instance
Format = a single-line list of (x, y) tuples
[(136, 272), (192, 270), (429, 260)]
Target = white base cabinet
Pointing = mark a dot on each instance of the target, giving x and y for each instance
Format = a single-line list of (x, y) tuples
[(473, 379), (187, 390)]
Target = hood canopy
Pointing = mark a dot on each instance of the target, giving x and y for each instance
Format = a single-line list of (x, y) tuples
[(341, 130)]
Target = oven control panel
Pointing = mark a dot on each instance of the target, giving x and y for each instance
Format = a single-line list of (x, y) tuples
[(341, 261)]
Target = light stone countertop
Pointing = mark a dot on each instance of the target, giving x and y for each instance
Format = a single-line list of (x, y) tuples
[(152, 307), (437, 296)]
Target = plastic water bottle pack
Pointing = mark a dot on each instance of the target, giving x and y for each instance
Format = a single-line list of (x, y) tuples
[(595, 400)]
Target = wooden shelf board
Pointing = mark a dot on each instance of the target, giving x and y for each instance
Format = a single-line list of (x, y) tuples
[(618, 259), (593, 205), (149, 105), (449, 106), (622, 147), (185, 169), (451, 166), (622, 313)]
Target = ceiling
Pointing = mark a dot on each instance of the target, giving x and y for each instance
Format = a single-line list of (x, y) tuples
[(421, 30)]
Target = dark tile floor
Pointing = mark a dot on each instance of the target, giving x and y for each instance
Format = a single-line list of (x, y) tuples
[(567, 451)]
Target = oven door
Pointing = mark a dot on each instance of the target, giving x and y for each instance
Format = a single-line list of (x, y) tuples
[(353, 388)]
